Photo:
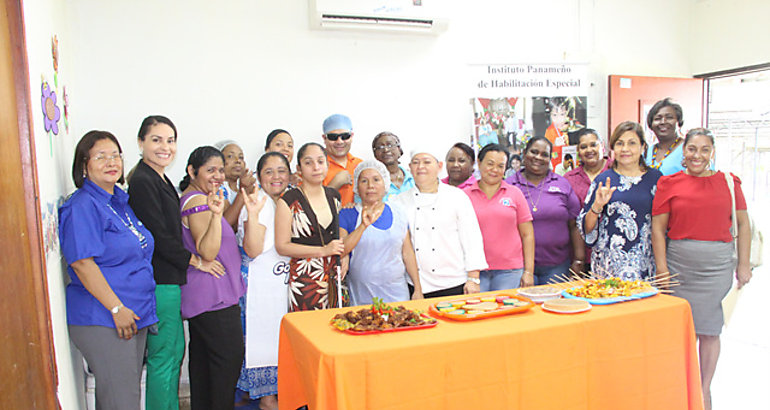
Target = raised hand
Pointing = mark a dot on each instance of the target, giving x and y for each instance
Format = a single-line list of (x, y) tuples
[(603, 194), (253, 202), (248, 181), (216, 202), (370, 214)]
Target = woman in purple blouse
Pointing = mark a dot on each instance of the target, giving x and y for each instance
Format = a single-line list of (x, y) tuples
[(210, 301), (554, 206)]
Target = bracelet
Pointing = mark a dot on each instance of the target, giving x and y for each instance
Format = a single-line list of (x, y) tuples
[(474, 280), (200, 263), (594, 210), (526, 272), (578, 261)]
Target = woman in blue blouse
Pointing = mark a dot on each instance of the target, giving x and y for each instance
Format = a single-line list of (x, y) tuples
[(378, 236), (616, 219), (111, 300), (665, 119)]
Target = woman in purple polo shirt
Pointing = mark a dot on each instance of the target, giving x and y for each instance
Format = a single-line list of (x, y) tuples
[(211, 303), (505, 222), (554, 206)]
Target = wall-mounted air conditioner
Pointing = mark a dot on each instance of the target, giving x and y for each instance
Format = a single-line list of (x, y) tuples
[(411, 16)]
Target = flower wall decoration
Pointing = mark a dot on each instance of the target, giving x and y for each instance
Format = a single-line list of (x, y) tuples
[(51, 113)]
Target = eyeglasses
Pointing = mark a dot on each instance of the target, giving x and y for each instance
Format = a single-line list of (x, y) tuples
[(387, 146), (101, 158), (333, 137)]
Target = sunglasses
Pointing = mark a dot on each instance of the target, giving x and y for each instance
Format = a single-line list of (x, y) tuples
[(333, 137)]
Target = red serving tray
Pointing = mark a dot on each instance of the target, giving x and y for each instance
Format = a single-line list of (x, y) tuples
[(395, 329), (433, 310)]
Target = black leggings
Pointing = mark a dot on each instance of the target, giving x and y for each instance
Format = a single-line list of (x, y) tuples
[(216, 356), (457, 290)]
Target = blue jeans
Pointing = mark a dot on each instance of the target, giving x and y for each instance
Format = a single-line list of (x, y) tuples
[(548, 274), (499, 279)]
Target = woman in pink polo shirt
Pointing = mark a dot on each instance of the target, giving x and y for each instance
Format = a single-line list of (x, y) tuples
[(505, 222)]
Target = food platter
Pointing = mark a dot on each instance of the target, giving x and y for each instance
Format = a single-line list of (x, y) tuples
[(566, 306), (480, 307), (540, 294), (601, 291), (381, 318)]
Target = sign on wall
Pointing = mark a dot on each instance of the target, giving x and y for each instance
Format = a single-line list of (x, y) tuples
[(514, 102)]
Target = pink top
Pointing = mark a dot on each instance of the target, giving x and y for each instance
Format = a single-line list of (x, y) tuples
[(468, 182), (499, 220)]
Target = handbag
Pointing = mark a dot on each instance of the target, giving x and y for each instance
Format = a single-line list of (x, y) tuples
[(757, 241)]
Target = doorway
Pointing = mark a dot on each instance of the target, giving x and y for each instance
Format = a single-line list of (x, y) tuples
[(738, 114)]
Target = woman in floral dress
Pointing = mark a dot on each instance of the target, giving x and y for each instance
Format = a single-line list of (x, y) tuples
[(307, 231), (616, 220)]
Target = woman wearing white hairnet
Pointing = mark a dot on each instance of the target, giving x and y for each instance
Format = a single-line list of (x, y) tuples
[(377, 237)]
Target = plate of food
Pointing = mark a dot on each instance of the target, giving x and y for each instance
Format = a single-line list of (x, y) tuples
[(540, 294), (381, 318), (567, 306), (610, 290), (480, 307)]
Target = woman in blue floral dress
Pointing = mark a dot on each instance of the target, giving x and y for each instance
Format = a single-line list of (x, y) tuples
[(616, 218)]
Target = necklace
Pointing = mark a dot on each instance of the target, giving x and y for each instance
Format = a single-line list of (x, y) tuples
[(529, 196), (656, 164), (130, 225), (592, 175)]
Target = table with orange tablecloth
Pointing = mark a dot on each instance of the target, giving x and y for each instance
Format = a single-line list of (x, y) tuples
[(634, 355)]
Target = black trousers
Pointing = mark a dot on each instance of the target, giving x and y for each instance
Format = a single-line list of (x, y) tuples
[(457, 290), (216, 356)]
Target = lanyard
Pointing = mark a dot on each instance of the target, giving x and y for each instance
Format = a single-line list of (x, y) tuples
[(130, 225)]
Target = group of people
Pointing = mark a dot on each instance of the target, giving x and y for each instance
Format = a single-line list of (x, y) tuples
[(238, 250)]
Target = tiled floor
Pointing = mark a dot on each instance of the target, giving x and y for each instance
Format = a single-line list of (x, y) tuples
[(742, 379)]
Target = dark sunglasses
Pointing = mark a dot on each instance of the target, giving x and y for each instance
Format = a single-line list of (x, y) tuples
[(333, 137)]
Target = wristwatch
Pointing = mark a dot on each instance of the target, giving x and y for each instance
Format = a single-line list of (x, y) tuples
[(116, 309), (474, 280)]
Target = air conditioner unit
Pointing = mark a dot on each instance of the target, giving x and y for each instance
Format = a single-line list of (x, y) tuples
[(410, 16)]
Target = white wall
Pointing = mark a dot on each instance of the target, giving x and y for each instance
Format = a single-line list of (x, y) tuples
[(43, 20), (238, 69), (241, 70), (727, 34)]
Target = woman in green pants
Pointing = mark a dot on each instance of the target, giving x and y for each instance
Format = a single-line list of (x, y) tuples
[(156, 203)]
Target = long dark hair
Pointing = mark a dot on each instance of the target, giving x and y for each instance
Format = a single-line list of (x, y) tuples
[(304, 148), (80, 162), (198, 157), (274, 133), (152, 120)]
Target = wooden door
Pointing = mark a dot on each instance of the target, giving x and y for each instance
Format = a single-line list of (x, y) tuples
[(27, 365), (631, 97)]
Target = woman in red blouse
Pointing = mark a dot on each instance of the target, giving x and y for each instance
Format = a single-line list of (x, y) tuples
[(693, 210)]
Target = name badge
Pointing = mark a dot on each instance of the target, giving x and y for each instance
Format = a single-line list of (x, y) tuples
[(506, 202), (554, 189)]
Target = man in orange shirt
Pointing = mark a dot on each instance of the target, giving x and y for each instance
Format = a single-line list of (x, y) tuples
[(338, 137)]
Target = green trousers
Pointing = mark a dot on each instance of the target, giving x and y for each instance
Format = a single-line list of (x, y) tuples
[(165, 351)]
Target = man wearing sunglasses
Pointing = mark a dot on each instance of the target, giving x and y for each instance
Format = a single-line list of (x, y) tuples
[(338, 136)]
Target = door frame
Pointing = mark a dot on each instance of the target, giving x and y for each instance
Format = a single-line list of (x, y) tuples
[(31, 381)]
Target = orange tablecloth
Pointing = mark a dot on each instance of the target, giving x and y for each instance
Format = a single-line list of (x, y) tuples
[(634, 355)]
